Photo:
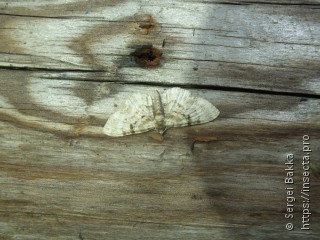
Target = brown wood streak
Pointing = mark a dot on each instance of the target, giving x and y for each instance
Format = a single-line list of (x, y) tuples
[(59, 10), (128, 25), (201, 139), (63, 71), (67, 130)]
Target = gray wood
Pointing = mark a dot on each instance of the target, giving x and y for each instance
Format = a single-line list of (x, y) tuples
[(65, 67), (266, 47)]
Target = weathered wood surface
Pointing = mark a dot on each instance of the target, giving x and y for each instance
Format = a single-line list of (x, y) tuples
[(66, 66), (266, 47)]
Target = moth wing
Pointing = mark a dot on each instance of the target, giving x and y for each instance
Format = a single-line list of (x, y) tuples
[(135, 117), (181, 109)]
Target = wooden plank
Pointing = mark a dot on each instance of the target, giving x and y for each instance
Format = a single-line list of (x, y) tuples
[(261, 47), (61, 8), (62, 178), (66, 66), (73, 100)]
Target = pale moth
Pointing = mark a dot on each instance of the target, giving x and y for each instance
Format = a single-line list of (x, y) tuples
[(174, 108)]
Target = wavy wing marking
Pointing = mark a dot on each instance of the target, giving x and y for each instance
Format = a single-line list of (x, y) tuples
[(182, 109), (135, 117)]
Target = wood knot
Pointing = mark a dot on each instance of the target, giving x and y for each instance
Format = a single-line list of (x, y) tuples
[(147, 56)]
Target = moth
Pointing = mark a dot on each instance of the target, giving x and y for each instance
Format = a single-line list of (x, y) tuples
[(175, 107)]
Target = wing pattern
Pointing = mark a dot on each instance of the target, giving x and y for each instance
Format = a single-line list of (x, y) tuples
[(135, 117), (182, 109), (179, 109)]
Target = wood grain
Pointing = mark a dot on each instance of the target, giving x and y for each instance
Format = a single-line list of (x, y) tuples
[(267, 47), (66, 66)]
